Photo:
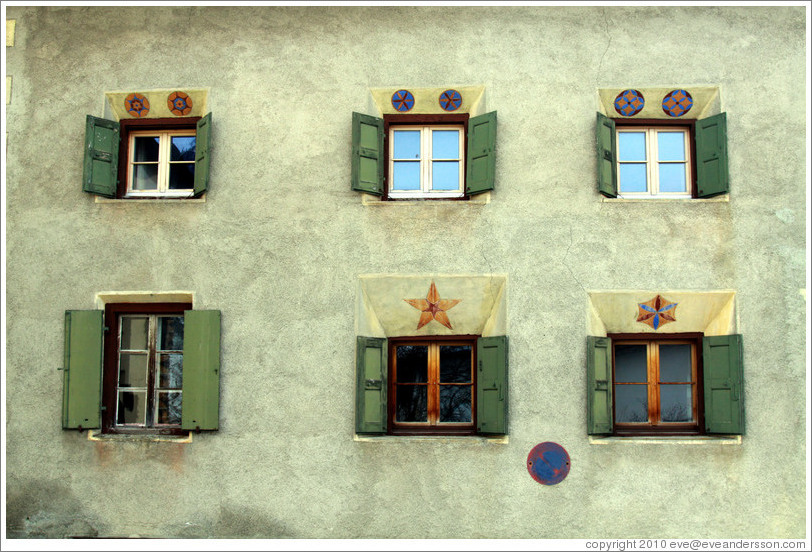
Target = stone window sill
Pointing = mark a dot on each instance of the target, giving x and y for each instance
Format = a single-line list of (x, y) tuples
[(441, 439), (122, 201), (97, 435), (479, 199), (673, 440), (724, 198)]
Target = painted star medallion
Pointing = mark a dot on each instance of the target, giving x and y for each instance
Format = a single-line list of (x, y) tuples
[(433, 308), (656, 312)]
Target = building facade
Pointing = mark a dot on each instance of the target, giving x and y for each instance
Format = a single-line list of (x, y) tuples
[(335, 272)]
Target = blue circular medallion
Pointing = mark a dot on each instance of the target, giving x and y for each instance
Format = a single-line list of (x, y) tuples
[(677, 103), (402, 100), (450, 100), (548, 463), (629, 102)]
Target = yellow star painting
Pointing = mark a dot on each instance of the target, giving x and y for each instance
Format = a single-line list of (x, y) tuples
[(433, 308)]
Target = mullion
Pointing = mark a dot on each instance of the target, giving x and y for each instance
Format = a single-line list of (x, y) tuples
[(151, 399), (425, 159)]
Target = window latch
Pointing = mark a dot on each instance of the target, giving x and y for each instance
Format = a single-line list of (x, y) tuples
[(373, 384)]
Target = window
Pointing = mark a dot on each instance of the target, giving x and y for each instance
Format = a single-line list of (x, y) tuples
[(665, 384), (411, 385), (142, 368), (662, 158), (434, 156), (147, 158)]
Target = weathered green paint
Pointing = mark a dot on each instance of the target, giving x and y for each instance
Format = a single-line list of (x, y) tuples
[(81, 390), (371, 385), (201, 370), (607, 155), (723, 374), (202, 151), (711, 156), (367, 154), (101, 157), (480, 173), (599, 385), (492, 385)]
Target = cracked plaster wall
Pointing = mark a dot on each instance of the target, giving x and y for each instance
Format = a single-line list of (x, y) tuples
[(280, 242)]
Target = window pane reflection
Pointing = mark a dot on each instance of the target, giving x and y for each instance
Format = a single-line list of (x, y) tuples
[(134, 331), (631, 364), (171, 371), (132, 370), (169, 407), (146, 148), (631, 403), (455, 364), (412, 403), (181, 176), (145, 177), (675, 403), (132, 407), (170, 330), (455, 403), (182, 149), (412, 364), (675, 363)]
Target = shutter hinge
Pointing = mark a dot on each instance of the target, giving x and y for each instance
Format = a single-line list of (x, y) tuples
[(106, 328), (103, 408)]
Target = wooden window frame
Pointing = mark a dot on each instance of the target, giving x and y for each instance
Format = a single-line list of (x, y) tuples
[(158, 125), (433, 426), (427, 120), (697, 427), (112, 315), (687, 125)]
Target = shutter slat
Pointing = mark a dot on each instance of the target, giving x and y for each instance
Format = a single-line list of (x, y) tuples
[(723, 375), (480, 172), (367, 154), (599, 385), (81, 392), (711, 152), (607, 156), (492, 385), (202, 154), (370, 396), (100, 174), (201, 370)]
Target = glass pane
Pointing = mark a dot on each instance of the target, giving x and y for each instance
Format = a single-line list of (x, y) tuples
[(631, 363), (170, 333), (406, 175), (455, 363), (412, 363), (134, 332), (675, 403), (145, 177), (182, 148), (631, 403), (132, 407), (170, 369), (146, 148), (181, 176), (445, 175), (455, 403), (672, 177), (132, 370), (445, 144), (631, 146), (675, 363), (671, 146), (169, 405), (632, 177), (412, 404), (406, 144)]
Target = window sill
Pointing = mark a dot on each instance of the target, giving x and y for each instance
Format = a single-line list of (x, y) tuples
[(477, 439), (674, 440), (201, 199), (479, 199), (724, 198), (97, 435)]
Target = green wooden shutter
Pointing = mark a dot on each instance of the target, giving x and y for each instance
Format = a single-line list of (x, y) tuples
[(607, 155), (81, 391), (101, 157), (201, 370), (370, 391), (492, 384), (480, 172), (367, 154), (711, 156), (202, 150), (723, 378), (599, 385)]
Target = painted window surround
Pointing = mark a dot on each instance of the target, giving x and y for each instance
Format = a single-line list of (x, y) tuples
[(379, 103)]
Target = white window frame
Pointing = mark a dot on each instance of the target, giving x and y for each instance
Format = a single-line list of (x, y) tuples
[(653, 163), (164, 149), (426, 160)]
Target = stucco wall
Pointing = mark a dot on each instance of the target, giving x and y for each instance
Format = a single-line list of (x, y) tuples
[(280, 241)]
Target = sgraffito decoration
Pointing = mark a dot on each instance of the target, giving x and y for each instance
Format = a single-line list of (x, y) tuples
[(677, 103), (402, 100), (548, 463), (657, 312), (629, 102), (433, 308), (450, 100), (136, 105), (179, 103)]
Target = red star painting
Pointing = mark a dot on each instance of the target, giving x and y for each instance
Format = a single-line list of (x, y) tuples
[(433, 308), (656, 312)]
